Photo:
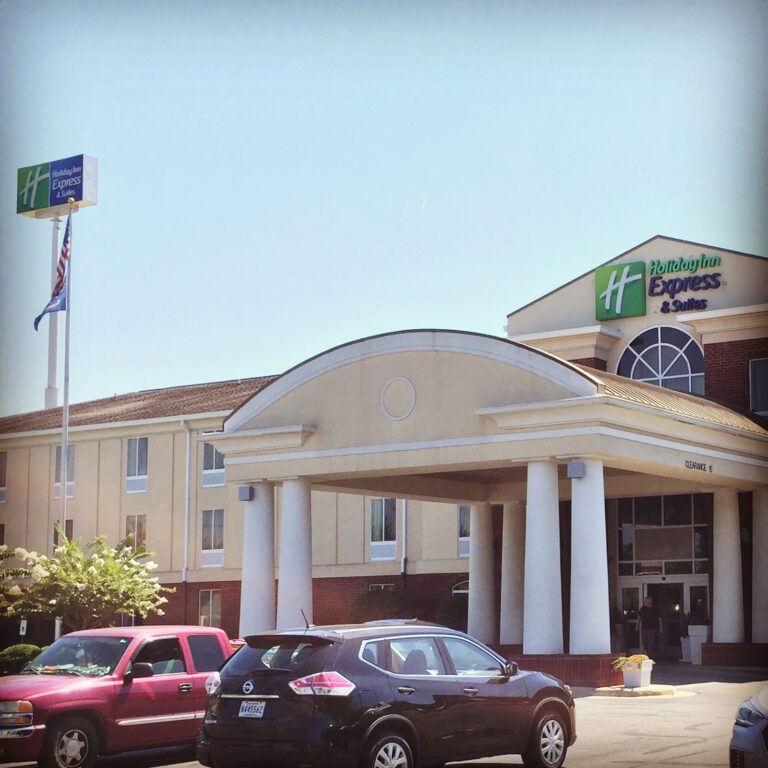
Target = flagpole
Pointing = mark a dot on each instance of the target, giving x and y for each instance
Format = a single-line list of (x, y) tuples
[(65, 406), (52, 390)]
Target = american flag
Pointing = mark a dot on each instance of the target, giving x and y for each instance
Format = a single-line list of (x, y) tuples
[(58, 300)]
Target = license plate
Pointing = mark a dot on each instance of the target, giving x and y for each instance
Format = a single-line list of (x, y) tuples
[(252, 708)]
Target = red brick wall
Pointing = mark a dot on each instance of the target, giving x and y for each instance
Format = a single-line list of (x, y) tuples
[(183, 605), (333, 597), (726, 369), (735, 654)]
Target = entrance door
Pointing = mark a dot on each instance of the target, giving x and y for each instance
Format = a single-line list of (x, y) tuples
[(668, 598)]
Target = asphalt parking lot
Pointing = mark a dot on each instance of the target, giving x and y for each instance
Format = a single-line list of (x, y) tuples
[(690, 728)]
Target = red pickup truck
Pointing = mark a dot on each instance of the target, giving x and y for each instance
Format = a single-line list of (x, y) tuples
[(103, 691)]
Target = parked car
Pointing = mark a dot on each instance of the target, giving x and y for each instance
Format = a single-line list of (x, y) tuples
[(380, 695), (749, 741), (104, 691)]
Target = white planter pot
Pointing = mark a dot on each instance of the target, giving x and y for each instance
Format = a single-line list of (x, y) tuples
[(698, 634), (638, 678)]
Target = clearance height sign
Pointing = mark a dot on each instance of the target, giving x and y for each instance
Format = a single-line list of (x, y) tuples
[(621, 289), (44, 190)]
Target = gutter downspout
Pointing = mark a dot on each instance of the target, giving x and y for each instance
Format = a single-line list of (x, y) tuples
[(404, 555), (187, 485)]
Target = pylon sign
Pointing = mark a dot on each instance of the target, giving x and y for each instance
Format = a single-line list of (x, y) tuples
[(44, 190)]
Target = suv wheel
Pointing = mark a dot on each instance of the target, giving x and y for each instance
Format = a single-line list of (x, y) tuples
[(389, 751), (548, 743), (71, 743)]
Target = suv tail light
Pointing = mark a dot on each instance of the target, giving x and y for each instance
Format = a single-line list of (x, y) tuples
[(323, 684), (213, 683)]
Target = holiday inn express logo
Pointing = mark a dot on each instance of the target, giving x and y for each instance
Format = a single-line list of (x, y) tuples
[(620, 290), (34, 187)]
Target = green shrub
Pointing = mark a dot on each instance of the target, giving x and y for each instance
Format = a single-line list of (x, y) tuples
[(13, 658)]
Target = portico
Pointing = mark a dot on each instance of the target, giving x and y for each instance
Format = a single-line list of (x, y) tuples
[(470, 419)]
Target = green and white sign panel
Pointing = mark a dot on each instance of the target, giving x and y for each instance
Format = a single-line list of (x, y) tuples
[(620, 291), (44, 190)]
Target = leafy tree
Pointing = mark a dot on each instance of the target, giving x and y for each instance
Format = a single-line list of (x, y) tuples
[(85, 587)]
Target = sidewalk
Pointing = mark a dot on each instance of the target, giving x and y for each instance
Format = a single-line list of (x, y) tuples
[(668, 676)]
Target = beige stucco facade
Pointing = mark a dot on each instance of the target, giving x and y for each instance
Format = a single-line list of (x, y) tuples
[(436, 420)]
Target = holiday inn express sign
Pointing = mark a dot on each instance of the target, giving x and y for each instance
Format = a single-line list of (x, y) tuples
[(621, 289), (44, 190)]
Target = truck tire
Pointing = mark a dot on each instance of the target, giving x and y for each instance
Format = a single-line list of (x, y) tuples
[(71, 742)]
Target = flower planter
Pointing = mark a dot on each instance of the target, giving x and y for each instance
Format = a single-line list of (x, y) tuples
[(638, 676), (685, 649), (698, 635)]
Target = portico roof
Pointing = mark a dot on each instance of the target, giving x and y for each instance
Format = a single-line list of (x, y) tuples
[(430, 403)]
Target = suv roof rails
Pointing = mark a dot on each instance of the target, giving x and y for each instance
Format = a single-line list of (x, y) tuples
[(395, 622)]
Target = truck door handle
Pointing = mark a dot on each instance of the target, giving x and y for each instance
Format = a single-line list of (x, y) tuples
[(470, 691), (407, 690), (185, 687)]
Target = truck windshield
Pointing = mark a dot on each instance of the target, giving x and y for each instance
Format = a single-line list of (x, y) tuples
[(83, 656)]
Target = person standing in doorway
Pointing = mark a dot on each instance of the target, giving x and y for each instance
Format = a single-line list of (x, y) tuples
[(650, 625)]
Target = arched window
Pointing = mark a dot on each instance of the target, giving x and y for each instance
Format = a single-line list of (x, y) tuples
[(665, 356)]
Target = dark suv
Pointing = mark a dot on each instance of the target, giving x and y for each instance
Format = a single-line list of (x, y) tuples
[(380, 695)]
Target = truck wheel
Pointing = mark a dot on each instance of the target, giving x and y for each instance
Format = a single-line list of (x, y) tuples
[(71, 742)]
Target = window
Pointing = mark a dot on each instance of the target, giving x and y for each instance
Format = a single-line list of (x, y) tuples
[(463, 531), (414, 656), (213, 466), (2, 534), (70, 472), (758, 388), (471, 660), (209, 602), (136, 530), (206, 652), (69, 528), (667, 357), (136, 465), (3, 468), (665, 535), (164, 655), (389, 587), (212, 542), (383, 529), (462, 588)]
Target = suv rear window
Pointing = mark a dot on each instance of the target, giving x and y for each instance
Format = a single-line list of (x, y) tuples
[(298, 655), (206, 652)]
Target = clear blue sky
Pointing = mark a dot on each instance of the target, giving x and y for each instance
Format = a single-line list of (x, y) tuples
[(276, 178)]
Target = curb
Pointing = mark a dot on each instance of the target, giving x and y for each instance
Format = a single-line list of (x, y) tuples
[(642, 692)]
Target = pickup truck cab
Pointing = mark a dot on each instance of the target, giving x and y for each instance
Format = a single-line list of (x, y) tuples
[(103, 691)]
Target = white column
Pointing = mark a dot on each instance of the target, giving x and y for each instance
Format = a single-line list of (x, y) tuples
[(543, 601), (257, 591), (727, 600), (512, 574), (760, 566), (294, 586), (590, 611), (481, 615)]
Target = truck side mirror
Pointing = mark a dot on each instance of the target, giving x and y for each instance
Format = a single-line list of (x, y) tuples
[(138, 669)]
